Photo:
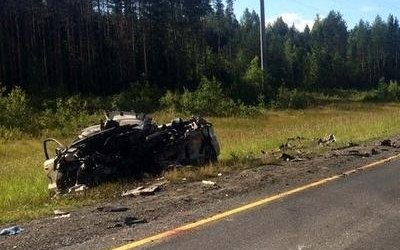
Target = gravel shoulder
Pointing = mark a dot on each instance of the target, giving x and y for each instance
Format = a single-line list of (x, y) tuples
[(99, 227)]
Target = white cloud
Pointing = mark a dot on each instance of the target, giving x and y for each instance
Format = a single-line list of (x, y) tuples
[(368, 9), (293, 18)]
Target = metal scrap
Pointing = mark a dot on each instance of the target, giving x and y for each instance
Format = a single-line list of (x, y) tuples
[(293, 142), (289, 157), (387, 143), (64, 216), (358, 153), (150, 190), (286, 157), (129, 221), (327, 140), (59, 212), (127, 145), (374, 152), (11, 231), (115, 226), (77, 188), (211, 183)]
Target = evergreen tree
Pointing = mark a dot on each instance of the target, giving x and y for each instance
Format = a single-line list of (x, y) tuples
[(102, 46)]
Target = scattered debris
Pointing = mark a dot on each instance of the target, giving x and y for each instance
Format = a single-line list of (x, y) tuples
[(293, 142), (11, 230), (128, 221), (112, 209), (285, 146), (128, 145), (60, 212), (144, 191), (387, 143), (266, 158), (63, 216), (133, 192), (358, 153), (115, 226), (211, 183), (298, 159), (374, 152), (77, 188), (132, 221), (219, 174), (327, 140), (286, 157)]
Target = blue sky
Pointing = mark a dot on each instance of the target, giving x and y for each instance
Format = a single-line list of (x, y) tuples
[(302, 12)]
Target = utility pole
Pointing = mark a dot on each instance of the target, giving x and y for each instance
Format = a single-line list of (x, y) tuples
[(263, 48)]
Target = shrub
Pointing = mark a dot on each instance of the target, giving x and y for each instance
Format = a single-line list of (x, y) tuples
[(139, 98), (171, 101), (16, 113), (389, 91), (294, 99), (208, 100), (385, 92), (68, 115), (11, 133)]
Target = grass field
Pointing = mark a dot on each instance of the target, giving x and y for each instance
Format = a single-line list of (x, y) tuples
[(23, 184)]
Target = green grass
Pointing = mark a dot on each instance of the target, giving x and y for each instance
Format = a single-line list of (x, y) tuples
[(348, 122), (23, 184)]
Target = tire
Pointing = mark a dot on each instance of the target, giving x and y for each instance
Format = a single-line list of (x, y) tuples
[(210, 156)]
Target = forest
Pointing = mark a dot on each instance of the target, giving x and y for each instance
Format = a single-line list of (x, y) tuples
[(102, 47), (65, 63)]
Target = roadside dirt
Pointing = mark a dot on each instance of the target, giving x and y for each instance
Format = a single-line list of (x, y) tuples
[(104, 226)]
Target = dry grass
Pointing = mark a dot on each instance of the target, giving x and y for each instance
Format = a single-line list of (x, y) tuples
[(23, 184), (244, 138)]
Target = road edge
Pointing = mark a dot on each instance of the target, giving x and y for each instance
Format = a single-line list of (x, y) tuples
[(249, 206)]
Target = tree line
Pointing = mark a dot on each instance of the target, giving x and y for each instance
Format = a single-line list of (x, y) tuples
[(99, 47)]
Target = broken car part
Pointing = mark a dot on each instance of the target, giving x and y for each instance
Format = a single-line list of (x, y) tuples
[(129, 221), (11, 230), (127, 145), (144, 191), (387, 143)]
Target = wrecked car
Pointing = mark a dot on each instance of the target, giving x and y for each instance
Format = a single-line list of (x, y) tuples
[(127, 145)]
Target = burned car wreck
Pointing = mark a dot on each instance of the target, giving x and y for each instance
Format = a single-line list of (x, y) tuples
[(127, 145)]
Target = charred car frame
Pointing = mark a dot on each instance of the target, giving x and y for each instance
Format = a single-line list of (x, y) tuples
[(129, 145)]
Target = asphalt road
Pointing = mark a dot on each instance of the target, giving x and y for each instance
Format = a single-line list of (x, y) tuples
[(361, 211)]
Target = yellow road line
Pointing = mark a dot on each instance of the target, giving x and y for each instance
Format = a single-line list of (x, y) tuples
[(248, 206)]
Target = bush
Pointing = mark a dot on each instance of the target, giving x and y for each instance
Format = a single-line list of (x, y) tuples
[(385, 92), (11, 133), (294, 99), (16, 113), (171, 101), (68, 115), (208, 100), (139, 98)]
